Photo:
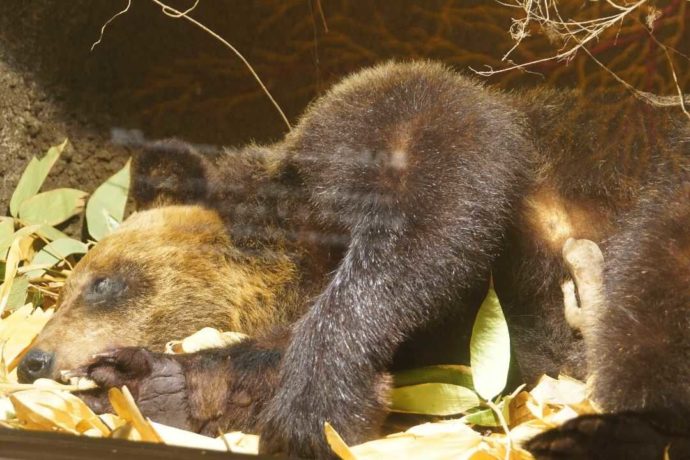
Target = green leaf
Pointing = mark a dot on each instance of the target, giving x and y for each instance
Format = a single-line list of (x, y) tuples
[(490, 348), (52, 207), (433, 399), (446, 373), (484, 417), (25, 231), (487, 417), (6, 235), (50, 233), (33, 176), (18, 292), (54, 252), (106, 207)]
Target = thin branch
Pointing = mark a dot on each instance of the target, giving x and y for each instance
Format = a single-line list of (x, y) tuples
[(174, 13), (100, 37), (645, 96), (578, 34), (504, 424), (539, 12), (319, 8), (681, 96)]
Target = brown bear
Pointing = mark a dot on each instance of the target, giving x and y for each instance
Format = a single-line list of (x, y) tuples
[(412, 184), (164, 274)]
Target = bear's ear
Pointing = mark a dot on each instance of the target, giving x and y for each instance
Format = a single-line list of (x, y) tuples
[(170, 172)]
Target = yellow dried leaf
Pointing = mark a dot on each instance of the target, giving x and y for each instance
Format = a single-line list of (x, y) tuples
[(92, 433), (4, 373), (241, 443), (55, 410), (519, 412), (49, 384), (19, 330), (26, 247), (125, 407), (6, 409), (11, 266), (112, 421), (495, 448), (526, 431), (126, 431), (563, 390), (183, 438), (561, 416), (442, 440), (205, 338), (234, 442), (336, 443)]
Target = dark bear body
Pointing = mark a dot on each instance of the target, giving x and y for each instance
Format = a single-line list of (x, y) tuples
[(413, 184), (636, 345), (597, 157), (463, 180)]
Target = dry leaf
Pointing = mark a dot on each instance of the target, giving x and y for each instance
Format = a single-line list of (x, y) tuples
[(241, 443), (11, 266), (55, 410), (236, 441), (336, 443), (112, 421), (563, 390), (18, 331), (442, 440), (183, 438), (6, 409), (125, 407)]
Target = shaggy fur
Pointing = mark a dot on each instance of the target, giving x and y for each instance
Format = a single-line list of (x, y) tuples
[(412, 184), (165, 274)]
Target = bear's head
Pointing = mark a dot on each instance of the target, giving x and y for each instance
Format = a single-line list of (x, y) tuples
[(169, 270)]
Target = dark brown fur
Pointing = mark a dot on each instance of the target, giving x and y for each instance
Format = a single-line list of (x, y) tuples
[(414, 183)]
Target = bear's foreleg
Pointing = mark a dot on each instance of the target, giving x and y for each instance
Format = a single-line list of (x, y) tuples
[(208, 392)]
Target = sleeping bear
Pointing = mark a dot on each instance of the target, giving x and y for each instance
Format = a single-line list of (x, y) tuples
[(398, 195)]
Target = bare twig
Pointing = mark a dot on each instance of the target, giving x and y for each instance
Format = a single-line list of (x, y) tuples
[(176, 14), (650, 98), (100, 37), (576, 35), (681, 96), (319, 8), (504, 424), (582, 32)]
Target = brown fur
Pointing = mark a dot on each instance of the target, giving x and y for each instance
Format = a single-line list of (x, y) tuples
[(183, 273), (412, 184), (553, 219)]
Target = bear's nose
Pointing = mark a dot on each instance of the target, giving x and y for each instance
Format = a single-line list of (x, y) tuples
[(35, 365)]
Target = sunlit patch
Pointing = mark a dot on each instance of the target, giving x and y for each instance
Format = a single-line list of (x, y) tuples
[(398, 160), (547, 214), (554, 219), (400, 144)]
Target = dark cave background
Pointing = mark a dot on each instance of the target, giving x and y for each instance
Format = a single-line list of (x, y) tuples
[(167, 78)]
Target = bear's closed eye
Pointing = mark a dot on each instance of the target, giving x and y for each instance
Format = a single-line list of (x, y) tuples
[(105, 290)]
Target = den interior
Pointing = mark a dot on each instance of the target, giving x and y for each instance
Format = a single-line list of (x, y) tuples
[(80, 71)]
